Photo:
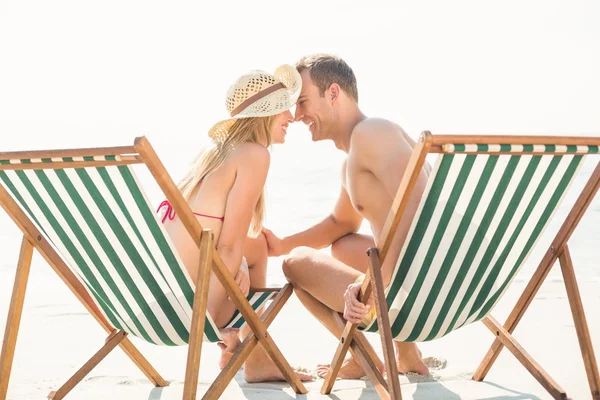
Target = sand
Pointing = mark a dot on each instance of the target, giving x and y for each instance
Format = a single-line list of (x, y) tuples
[(57, 336)]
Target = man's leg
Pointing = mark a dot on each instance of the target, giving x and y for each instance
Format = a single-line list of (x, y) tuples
[(352, 251), (320, 282)]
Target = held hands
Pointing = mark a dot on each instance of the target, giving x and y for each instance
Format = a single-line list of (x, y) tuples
[(354, 310), (274, 243), (242, 278)]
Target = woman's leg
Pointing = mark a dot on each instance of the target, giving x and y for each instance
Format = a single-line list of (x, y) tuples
[(259, 367), (255, 252), (220, 308)]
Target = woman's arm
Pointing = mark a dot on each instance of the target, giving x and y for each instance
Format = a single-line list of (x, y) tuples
[(252, 165)]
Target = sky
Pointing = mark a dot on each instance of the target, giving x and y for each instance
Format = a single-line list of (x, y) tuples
[(82, 73)]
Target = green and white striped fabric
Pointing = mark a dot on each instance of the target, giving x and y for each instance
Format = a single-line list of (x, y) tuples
[(520, 148), (478, 220), (100, 222)]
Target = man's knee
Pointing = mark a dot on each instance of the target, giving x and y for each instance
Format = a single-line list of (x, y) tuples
[(293, 262)]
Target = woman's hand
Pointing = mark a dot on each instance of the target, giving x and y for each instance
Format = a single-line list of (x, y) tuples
[(274, 243), (354, 310), (242, 278)]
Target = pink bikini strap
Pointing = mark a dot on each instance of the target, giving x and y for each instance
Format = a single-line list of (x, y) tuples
[(170, 213)]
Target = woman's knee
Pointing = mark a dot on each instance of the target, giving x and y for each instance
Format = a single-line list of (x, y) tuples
[(261, 244), (293, 263), (256, 250), (262, 249)]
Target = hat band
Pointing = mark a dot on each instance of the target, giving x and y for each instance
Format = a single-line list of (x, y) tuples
[(256, 97)]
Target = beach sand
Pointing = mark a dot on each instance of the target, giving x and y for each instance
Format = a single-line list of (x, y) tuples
[(57, 336)]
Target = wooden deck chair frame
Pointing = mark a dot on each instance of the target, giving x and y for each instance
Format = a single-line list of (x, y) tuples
[(140, 153), (354, 340)]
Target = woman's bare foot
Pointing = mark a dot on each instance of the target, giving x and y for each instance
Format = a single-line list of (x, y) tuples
[(350, 370), (261, 369), (229, 345)]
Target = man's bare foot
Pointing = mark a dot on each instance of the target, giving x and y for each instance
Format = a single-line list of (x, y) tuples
[(256, 370), (229, 345), (350, 370), (411, 361)]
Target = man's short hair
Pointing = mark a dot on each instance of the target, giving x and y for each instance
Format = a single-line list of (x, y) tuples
[(326, 69)]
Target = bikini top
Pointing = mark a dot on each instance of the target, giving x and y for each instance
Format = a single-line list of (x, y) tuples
[(170, 212)]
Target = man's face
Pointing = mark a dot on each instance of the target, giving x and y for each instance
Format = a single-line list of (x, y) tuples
[(313, 109)]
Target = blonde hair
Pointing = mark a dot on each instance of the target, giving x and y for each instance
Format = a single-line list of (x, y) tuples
[(254, 130)]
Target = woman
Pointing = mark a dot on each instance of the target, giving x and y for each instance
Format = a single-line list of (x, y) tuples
[(225, 189)]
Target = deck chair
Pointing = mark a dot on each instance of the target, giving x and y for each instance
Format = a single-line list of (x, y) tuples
[(85, 212), (486, 204)]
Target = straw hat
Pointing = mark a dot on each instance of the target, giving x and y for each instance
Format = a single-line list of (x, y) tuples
[(259, 94)]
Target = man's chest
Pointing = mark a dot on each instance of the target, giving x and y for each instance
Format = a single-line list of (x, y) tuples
[(366, 192)]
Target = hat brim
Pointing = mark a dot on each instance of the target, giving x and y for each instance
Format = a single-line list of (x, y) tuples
[(221, 128), (292, 81)]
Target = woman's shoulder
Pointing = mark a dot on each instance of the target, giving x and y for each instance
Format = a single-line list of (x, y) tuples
[(251, 153)]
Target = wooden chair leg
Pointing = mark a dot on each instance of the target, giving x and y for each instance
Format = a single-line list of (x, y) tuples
[(57, 264), (356, 342), (581, 326), (348, 332), (198, 316), (358, 351), (14, 315), (339, 356), (524, 358), (560, 241), (514, 318), (243, 351), (363, 352), (111, 342), (256, 325), (385, 330), (140, 361)]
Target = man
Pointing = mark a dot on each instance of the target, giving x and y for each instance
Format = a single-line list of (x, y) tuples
[(378, 152)]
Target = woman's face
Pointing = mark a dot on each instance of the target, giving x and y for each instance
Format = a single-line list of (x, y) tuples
[(279, 127)]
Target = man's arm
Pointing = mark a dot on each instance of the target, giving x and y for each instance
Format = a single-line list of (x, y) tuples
[(343, 220)]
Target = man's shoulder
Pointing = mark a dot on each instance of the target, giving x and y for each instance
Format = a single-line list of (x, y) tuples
[(369, 127), (376, 123), (377, 130)]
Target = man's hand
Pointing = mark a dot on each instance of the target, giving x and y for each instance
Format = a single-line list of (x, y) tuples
[(242, 278), (274, 243), (354, 310)]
